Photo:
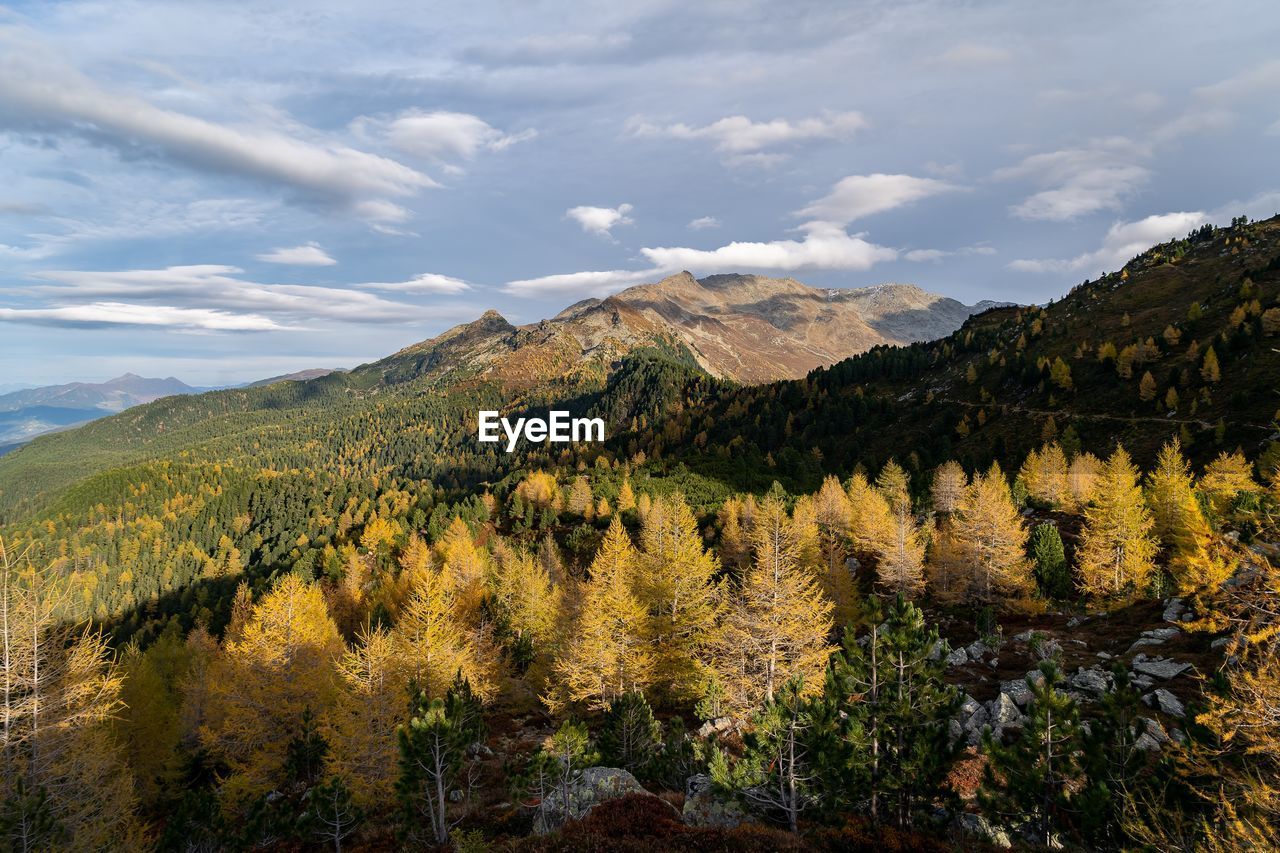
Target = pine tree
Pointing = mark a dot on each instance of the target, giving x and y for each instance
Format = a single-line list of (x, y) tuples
[(432, 747), (1034, 778), (1052, 572), (608, 654), (630, 736), (778, 622), (776, 770), (882, 725), (1116, 545)]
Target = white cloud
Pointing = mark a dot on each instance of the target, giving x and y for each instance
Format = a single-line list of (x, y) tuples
[(600, 220), (219, 288), (704, 222), (1080, 180), (739, 135), (970, 54), (1123, 241), (39, 89), (1264, 205), (440, 136), (1259, 80), (862, 195), (936, 255), (427, 282), (310, 255), (825, 246), (599, 283), (124, 314)]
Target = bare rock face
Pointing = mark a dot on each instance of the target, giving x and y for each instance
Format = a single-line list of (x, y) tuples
[(703, 806)]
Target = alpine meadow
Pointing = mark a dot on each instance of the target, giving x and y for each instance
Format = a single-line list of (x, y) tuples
[(728, 539)]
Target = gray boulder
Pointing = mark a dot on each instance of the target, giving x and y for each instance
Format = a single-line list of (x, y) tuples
[(594, 786), (1018, 690), (1175, 610), (1004, 713), (1093, 681), (981, 828), (958, 657), (1165, 668), (704, 806), (1165, 702), (976, 650)]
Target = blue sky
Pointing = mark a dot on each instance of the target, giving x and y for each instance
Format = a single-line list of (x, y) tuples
[(224, 191)]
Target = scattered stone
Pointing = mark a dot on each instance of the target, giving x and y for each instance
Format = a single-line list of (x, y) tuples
[(1105, 656), (1018, 690), (716, 726), (1174, 610), (1004, 713), (1024, 637), (958, 657), (1141, 682), (1165, 702), (1153, 736), (1076, 621), (1165, 668), (1144, 642), (1220, 643), (1092, 680), (1162, 634), (704, 806), (594, 786), (939, 649), (976, 650), (455, 796), (979, 827)]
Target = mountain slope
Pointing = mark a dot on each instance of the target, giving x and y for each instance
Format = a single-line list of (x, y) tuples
[(113, 395), (1119, 359)]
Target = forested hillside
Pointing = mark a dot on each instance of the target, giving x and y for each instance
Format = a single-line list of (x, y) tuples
[(1014, 586)]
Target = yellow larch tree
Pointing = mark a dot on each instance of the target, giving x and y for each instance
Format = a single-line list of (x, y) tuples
[(1082, 479), (626, 497), (466, 569), (991, 532), (261, 684), (608, 654), (946, 570), (1226, 477), (61, 694), (895, 484), (870, 519), (779, 622), (1116, 552), (677, 582), (372, 701), (539, 489), (949, 482), (825, 519), (900, 569), (1196, 563), (529, 604), (433, 646), (1044, 472)]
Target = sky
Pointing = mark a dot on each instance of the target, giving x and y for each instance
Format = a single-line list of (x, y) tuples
[(225, 191)]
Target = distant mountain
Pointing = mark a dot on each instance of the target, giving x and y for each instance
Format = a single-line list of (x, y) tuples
[(114, 395), (746, 328), (298, 376)]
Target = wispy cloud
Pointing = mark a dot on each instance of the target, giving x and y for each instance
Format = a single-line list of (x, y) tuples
[(438, 136), (857, 196), (104, 314), (1079, 181), (704, 222), (744, 141), (427, 282), (309, 255)]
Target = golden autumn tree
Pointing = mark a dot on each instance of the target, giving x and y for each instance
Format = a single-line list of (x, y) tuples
[(261, 684), (1044, 472), (779, 621), (1195, 562), (870, 518), (1224, 478), (608, 655), (372, 701), (465, 568), (949, 482), (1082, 479), (433, 645), (894, 484), (61, 693), (626, 497), (821, 524), (900, 569), (677, 582), (989, 529), (528, 602), (946, 569), (1116, 550)]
